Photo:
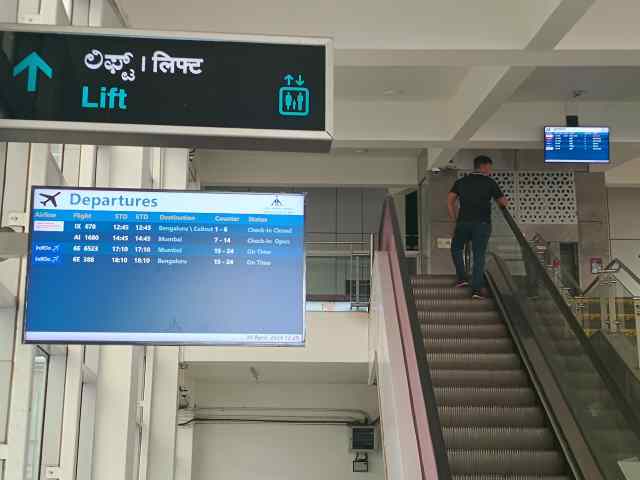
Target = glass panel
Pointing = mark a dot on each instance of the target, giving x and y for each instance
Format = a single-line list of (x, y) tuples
[(608, 424), (36, 413), (338, 272)]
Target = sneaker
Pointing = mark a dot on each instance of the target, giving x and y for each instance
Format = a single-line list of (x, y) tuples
[(462, 284), (478, 295)]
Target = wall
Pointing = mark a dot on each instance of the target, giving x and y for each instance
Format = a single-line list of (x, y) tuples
[(278, 451), (626, 175), (369, 169), (625, 229), (323, 345)]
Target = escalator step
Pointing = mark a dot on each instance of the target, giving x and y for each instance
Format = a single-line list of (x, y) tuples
[(497, 330), (529, 462), (479, 397), (474, 361), (433, 281), (517, 417), (499, 438), (441, 292), (469, 345), (454, 317), (455, 304), (479, 378)]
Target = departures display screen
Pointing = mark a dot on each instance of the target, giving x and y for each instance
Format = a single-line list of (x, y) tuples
[(158, 267), (576, 144)]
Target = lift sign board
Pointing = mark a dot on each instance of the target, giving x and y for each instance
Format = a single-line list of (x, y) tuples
[(129, 87), (134, 266)]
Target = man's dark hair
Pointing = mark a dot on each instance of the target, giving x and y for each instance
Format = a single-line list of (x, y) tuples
[(481, 160)]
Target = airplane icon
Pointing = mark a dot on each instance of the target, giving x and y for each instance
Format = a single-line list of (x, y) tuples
[(49, 198)]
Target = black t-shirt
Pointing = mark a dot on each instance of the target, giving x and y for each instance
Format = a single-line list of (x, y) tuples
[(475, 192)]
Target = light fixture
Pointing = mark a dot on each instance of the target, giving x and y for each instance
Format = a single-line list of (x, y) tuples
[(361, 150), (392, 91)]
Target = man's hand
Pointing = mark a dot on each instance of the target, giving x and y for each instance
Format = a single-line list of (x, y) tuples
[(503, 202)]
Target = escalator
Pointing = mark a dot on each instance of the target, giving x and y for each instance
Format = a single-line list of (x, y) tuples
[(492, 420), (504, 388)]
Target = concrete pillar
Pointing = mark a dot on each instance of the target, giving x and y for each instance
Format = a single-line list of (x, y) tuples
[(115, 427), (184, 452), (35, 170), (161, 462), (116, 447)]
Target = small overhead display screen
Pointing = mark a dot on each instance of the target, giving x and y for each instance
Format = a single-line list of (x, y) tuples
[(157, 267), (576, 144)]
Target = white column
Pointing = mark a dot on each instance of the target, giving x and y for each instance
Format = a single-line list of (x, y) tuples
[(115, 427), (161, 462), (115, 441), (184, 452), (164, 404), (19, 180)]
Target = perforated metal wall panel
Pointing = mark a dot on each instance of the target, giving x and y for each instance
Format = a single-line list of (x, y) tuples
[(547, 198)]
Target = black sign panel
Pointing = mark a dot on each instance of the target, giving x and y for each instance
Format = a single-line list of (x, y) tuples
[(178, 82)]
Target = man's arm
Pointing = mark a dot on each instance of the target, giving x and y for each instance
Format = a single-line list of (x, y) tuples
[(498, 196), (452, 205)]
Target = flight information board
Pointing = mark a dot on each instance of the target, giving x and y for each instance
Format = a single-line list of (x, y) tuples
[(158, 267), (576, 144)]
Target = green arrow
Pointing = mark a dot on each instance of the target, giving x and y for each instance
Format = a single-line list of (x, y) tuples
[(300, 81), (33, 62), (289, 79)]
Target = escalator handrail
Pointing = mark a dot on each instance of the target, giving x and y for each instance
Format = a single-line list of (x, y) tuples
[(627, 410), (565, 425), (621, 266), (431, 445)]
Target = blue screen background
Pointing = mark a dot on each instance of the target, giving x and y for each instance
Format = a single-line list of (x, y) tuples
[(198, 297), (576, 147)]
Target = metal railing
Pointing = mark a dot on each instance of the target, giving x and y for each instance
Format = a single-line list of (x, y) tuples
[(593, 404), (610, 306), (340, 271)]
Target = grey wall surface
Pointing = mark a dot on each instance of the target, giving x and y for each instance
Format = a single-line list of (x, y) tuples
[(593, 222), (624, 212)]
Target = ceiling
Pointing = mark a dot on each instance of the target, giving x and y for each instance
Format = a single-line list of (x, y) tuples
[(607, 24), (356, 23), (398, 83), (598, 83), (392, 92), (279, 373)]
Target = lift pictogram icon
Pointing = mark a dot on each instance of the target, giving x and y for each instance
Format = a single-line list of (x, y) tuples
[(293, 100)]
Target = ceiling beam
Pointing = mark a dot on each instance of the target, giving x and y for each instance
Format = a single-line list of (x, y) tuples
[(485, 89), (488, 58)]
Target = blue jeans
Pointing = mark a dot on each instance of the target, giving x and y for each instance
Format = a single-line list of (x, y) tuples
[(478, 234)]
